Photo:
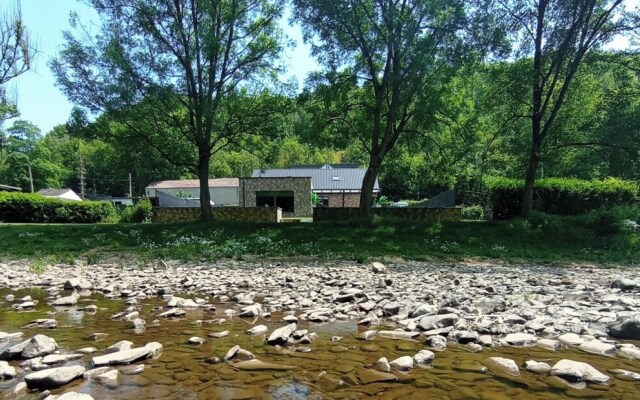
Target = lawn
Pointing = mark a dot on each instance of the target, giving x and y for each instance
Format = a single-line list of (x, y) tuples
[(514, 240)]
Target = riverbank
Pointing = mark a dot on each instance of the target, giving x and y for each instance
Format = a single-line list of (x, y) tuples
[(322, 329), (556, 239)]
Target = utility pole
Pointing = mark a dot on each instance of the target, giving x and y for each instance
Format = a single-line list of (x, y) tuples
[(130, 187), (82, 183), (30, 177)]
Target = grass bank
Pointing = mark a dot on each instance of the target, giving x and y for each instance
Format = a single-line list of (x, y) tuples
[(567, 239)]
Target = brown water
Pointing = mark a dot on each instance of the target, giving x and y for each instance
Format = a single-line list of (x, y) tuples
[(182, 372)]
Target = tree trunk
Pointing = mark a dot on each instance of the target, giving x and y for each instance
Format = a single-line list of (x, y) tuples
[(205, 196), (530, 179), (366, 195)]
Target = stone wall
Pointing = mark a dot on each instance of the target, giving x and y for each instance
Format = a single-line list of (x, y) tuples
[(328, 214), (344, 199), (239, 214), (301, 188)]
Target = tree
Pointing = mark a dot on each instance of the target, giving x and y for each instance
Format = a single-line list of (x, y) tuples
[(557, 35), (18, 152), (179, 74), (390, 57), (16, 57)]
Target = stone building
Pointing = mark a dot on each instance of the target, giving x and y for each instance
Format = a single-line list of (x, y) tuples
[(335, 185), (291, 194)]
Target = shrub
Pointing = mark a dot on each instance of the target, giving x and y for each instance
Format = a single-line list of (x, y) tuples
[(560, 196), (139, 212), (26, 207), (473, 213)]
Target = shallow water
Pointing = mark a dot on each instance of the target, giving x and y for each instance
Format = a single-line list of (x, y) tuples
[(182, 371)]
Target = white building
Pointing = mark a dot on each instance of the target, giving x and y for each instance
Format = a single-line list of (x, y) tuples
[(64, 194), (223, 191)]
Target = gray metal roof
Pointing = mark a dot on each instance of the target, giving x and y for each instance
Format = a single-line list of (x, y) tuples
[(322, 180), (52, 192)]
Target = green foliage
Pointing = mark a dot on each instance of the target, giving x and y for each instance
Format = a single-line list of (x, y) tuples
[(142, 211), (24, 207), (475, 213), (383, 201), (37, 266), (560, 196)]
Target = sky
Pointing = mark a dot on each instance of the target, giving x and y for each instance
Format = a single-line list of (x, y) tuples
[(42, 103)]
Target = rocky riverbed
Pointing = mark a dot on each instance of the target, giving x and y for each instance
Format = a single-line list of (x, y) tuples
[(315, 330)]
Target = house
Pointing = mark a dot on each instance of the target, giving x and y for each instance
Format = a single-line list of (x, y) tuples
[(223, 191), (63, 194), (335, 185), (7, 188), (116, 201), (291, 194)]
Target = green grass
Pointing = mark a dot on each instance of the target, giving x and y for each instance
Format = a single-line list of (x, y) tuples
[(566, 239)]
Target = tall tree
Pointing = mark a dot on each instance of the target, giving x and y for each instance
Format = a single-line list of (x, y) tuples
[(392, 56), (557, 34), (172, 72)]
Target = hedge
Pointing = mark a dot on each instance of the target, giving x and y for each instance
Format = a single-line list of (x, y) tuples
[(560, 196), (26, 207)]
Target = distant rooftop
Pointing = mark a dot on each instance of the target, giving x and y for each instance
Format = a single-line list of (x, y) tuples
[(8, 188), (325, 166), (322, 179), (53, 192), (194, 183)]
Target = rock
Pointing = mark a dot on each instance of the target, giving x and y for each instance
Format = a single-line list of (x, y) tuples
[(98, 336), (520, 339), (251, 311), (37, 346), (549, 344), (281, 335), (128, 356), (42, 323), (53, 359), (71, 300), (120, 346), (87, 350), (7, 371), (367, 376), (77, 284), (437, 321), (578, 371), (398, 334), (4, 336), (624, 374), (218, 335), (537, 367), (436, 343), (502, 367), (626, 328), (424, 357), (92, 373), (404, 363), (238, 354), (598, 347), (195, 340), (138, 323), (53, 377), (383, 364), (630, 352), (378, 268), (107, 377), (71, 396), (257, 330), (571, 339), (257, 365), (624, 284), (422, 309)]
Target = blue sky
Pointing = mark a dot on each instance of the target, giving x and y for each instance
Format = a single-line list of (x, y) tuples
[(40, 102)]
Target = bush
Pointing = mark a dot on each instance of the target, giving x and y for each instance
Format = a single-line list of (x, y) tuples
[(475, 213), (26, 207), (560, 196), (139, 212)]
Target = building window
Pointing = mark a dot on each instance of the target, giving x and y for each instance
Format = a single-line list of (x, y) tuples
[(323, 200), (282, 199)]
